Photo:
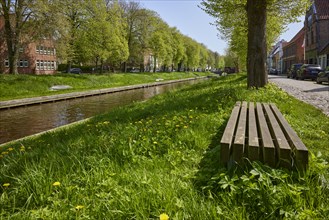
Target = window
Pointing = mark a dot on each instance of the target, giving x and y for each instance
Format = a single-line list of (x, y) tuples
[(6, 63), (52, 65), (37, 49), (41, 64), (41, 49), (38, 65), (26, 63), (21, 50), (48, 50), (21, 63)]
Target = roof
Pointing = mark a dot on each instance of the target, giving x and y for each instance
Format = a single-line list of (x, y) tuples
[(322, 9), (296, 37)]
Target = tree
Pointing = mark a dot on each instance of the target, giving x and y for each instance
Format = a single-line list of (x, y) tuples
[(254, 16), (17, 14)]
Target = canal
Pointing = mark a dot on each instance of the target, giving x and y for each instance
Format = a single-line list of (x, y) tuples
[(20, 122)]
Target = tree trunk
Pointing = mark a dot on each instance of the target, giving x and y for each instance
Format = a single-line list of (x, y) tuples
[(155, 64), (256, 55), (12, 35)]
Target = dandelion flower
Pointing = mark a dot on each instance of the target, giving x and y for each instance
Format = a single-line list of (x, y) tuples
[(6, 184), (78, 207), (56, 184), (5, 152), (164, 216), (10, 149), (22, 149), (185, 126), (155, 142)]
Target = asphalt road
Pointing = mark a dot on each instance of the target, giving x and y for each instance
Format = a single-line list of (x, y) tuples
[(305, 90)]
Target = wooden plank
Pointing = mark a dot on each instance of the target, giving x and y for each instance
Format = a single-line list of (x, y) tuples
[(227, 137), (266, 139), (240, 135), (253, 143), (300, 150), (283, 149)]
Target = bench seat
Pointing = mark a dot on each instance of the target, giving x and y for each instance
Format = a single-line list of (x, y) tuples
[(259, 132)]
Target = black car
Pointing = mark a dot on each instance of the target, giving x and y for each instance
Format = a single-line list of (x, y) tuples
[(292, 72), (323, 77), (273, 71), (75, 70), (308, 71)]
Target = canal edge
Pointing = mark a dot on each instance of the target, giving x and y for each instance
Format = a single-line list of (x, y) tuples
[(73, 95)]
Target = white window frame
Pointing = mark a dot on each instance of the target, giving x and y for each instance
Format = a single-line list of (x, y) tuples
[(37, 65), (26, 63), (6, 62), (41, 65)]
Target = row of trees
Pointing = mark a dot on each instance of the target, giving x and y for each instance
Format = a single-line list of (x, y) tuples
[(95, 32), (251, 27)]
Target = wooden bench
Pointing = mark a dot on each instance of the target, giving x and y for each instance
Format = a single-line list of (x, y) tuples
[(259, 132)]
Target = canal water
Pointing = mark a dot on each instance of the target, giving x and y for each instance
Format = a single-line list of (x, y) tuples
[(19, 122)]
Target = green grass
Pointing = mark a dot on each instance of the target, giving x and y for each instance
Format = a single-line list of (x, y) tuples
[(162, 156), (26, 86)]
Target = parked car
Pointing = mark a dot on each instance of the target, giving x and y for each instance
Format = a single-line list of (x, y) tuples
[(74, 70), (228, 69), (308, 71), (135, 70), (292, 72), (273, 71), (323, 77)]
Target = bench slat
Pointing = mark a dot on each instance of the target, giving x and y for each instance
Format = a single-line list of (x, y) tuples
[(301, 152), (240, 135), (268, 145), (227, 138), (253, 143), (283, 149)]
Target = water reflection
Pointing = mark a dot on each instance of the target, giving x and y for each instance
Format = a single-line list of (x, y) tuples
[(20, 122)]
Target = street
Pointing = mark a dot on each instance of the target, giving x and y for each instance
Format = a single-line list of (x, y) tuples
[(305, 90)]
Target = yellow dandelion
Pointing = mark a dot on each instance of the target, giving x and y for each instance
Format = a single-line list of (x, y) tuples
[(155, 142), (78, 207), (29, 148), (6, 184), (56, 184), (10, 149), (177, 126), (22, 149), (164, 216), (185, 126), (4, 153)]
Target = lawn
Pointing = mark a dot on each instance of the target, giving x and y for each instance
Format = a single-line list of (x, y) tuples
[(162, 157), (26, 86)]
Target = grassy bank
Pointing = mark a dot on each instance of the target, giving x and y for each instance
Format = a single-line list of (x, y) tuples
[(162, 156), (25, 86)]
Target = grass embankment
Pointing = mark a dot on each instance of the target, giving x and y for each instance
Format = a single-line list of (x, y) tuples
[(26, 86), (162, 156)]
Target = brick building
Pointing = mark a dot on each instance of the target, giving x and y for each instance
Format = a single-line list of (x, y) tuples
[(317, 33), (37, 57), (293, 51)]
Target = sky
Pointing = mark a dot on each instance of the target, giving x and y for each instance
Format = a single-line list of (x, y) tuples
[(195, 23)]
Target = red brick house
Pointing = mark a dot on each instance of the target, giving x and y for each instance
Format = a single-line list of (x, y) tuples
[(37, 57), (293, 51), (317, 33)]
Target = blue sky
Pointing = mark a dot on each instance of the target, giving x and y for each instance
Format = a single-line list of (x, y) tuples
[(195, 23)]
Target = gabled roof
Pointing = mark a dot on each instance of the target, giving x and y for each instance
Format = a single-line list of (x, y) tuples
[(296, 37), (322, 9)]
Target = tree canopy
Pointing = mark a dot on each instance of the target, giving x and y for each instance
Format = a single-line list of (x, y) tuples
[(255, 27), (97, 32)]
